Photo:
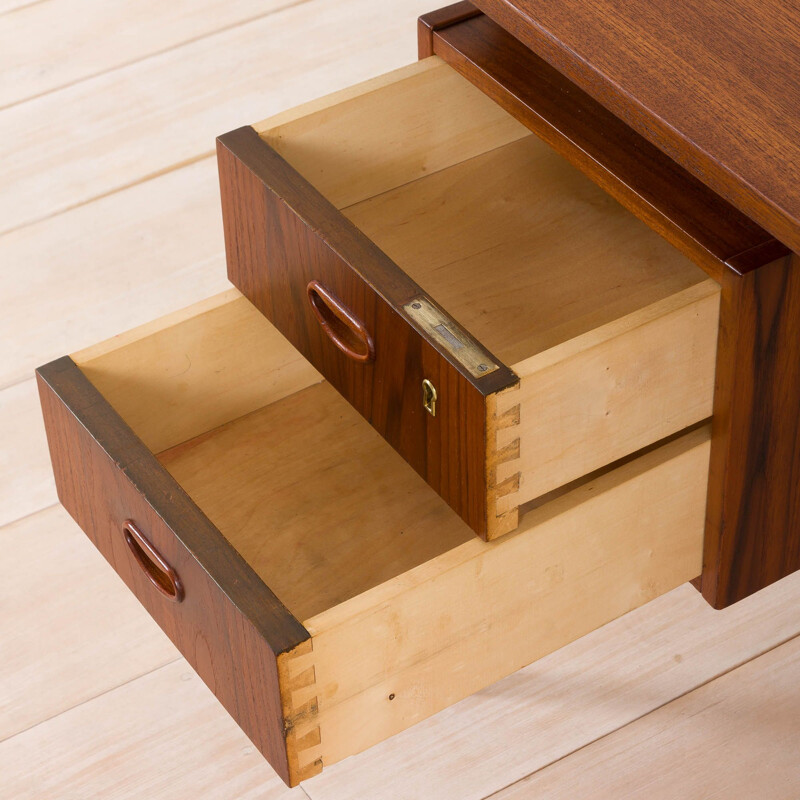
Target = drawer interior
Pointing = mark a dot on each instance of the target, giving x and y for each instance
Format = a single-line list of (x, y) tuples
[(314, 499), (611, 331), (308, 493), (514, 242), (408, 612)]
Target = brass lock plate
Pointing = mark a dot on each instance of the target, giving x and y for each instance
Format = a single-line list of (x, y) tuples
[(451, 336)]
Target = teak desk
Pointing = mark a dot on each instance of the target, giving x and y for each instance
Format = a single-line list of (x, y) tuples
[(540, 286)]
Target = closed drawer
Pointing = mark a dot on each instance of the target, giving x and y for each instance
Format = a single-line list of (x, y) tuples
[(427, 253), (320, 588)]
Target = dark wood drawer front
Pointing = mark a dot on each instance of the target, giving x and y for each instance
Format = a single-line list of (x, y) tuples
[(232, 636), (282, 237)]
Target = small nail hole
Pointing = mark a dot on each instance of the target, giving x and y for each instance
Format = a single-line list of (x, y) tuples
[(391, 696)]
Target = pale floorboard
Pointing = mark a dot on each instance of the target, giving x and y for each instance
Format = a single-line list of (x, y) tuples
[(26, 479), (578, 694), (76, 39), (89, 704), (159, 737), (108, 266), (69, 627), (734, 739), (13, 5), (102, 134)]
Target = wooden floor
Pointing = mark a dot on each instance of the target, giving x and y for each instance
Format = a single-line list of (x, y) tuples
[(109, 217)]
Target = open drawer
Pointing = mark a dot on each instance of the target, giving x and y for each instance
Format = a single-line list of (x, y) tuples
[(326, 594), (502, 322)]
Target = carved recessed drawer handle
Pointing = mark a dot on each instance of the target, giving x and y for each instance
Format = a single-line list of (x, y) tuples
[(342, 327), (160, 573)]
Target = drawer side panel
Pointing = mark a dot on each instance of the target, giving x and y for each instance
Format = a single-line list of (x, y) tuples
[(481, 611), (614, 391)]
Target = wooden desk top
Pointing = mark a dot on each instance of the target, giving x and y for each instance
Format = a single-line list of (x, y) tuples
[(714, 83)]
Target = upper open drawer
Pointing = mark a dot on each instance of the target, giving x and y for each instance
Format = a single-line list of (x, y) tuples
[(499, 319)]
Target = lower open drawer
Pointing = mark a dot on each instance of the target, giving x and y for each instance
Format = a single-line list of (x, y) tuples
[(321, 589)]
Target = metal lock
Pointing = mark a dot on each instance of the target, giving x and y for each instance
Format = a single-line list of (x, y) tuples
[(429, 397)]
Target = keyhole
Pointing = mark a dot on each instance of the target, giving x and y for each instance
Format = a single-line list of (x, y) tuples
[(429, 397)]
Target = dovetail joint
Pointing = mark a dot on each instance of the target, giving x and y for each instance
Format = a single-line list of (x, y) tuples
[(502, 448), (300, 706)]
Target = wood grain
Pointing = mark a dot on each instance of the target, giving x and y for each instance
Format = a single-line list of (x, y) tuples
[(216, 360), (713, 85), (489, 221), (609, 393), (80, 39), (610, 330), (274, 217), (132, 124), (635, 172), (338, 614), (414, 645), (524, 251), (13, 5), (142, 745), (752, 537), (754, 709), (588, 689), (161, 736), (753, 529), (410, 122), (231, 636), (153, 248), (444, 17), (83, 636), (323, 512)]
